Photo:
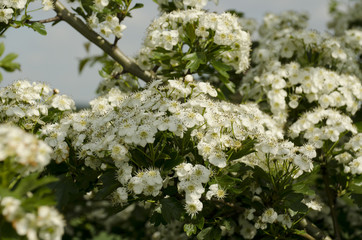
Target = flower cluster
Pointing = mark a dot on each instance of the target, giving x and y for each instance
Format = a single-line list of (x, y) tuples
[(29, 104), (180, 4), (205, 31), (321, 125), (191, 179), (346, 17), (351, 158), (288, 86), (120, 127), (45, 224), (7, 8), (111, 23), (26, 153), (286, 20), (285, 39)]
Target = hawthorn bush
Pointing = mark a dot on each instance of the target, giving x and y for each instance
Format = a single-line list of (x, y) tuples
[(207, 134)]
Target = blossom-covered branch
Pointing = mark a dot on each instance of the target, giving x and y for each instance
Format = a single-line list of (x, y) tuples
[(128, 64)]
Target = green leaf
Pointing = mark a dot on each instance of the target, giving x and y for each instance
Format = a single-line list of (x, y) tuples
[(200, 221), (7, 232), (9, 58), (157, 219), (66, 190), (221, 67), (194, 60), (210, 233), (39, 27), (190, 229), (138, 5), (190, 32), (109, 185), (226, 181), (204, 234), (294, 202), (171, 209), (357, 198), (173, 162), (2, 48), (359, 126), (32, 182), (356, 188), (303, 188)]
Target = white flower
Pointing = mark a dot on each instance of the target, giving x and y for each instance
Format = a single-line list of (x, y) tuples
[(285, 220), (314, 205), (215, 190), (93, 20), (118, 30), (100, 4), (269, 216), (6, 14), (47, 5), (248, 231), (193, 207), (63, 102), (356, 166), (10, 207), (122, 194)]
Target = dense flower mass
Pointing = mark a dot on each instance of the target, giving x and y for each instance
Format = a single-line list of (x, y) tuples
[(198, 4), (288, 86), (26, 153), (118, 125), (45, 224), (31, 104), (7, 8), (204, 31)]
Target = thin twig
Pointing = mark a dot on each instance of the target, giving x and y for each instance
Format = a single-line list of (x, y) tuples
[(113, 51), (48, 20)]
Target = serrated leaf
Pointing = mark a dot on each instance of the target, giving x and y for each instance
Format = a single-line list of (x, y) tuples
[(200, 223), (190, 229), (221, 67), (171, 209), (194, 60), (157, 219), (39, 27)]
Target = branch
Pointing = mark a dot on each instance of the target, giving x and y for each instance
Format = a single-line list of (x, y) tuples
[(113, 51), (313, 231), (48, 20)]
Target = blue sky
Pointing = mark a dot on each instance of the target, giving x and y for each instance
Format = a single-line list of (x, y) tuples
[(54, 58)]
